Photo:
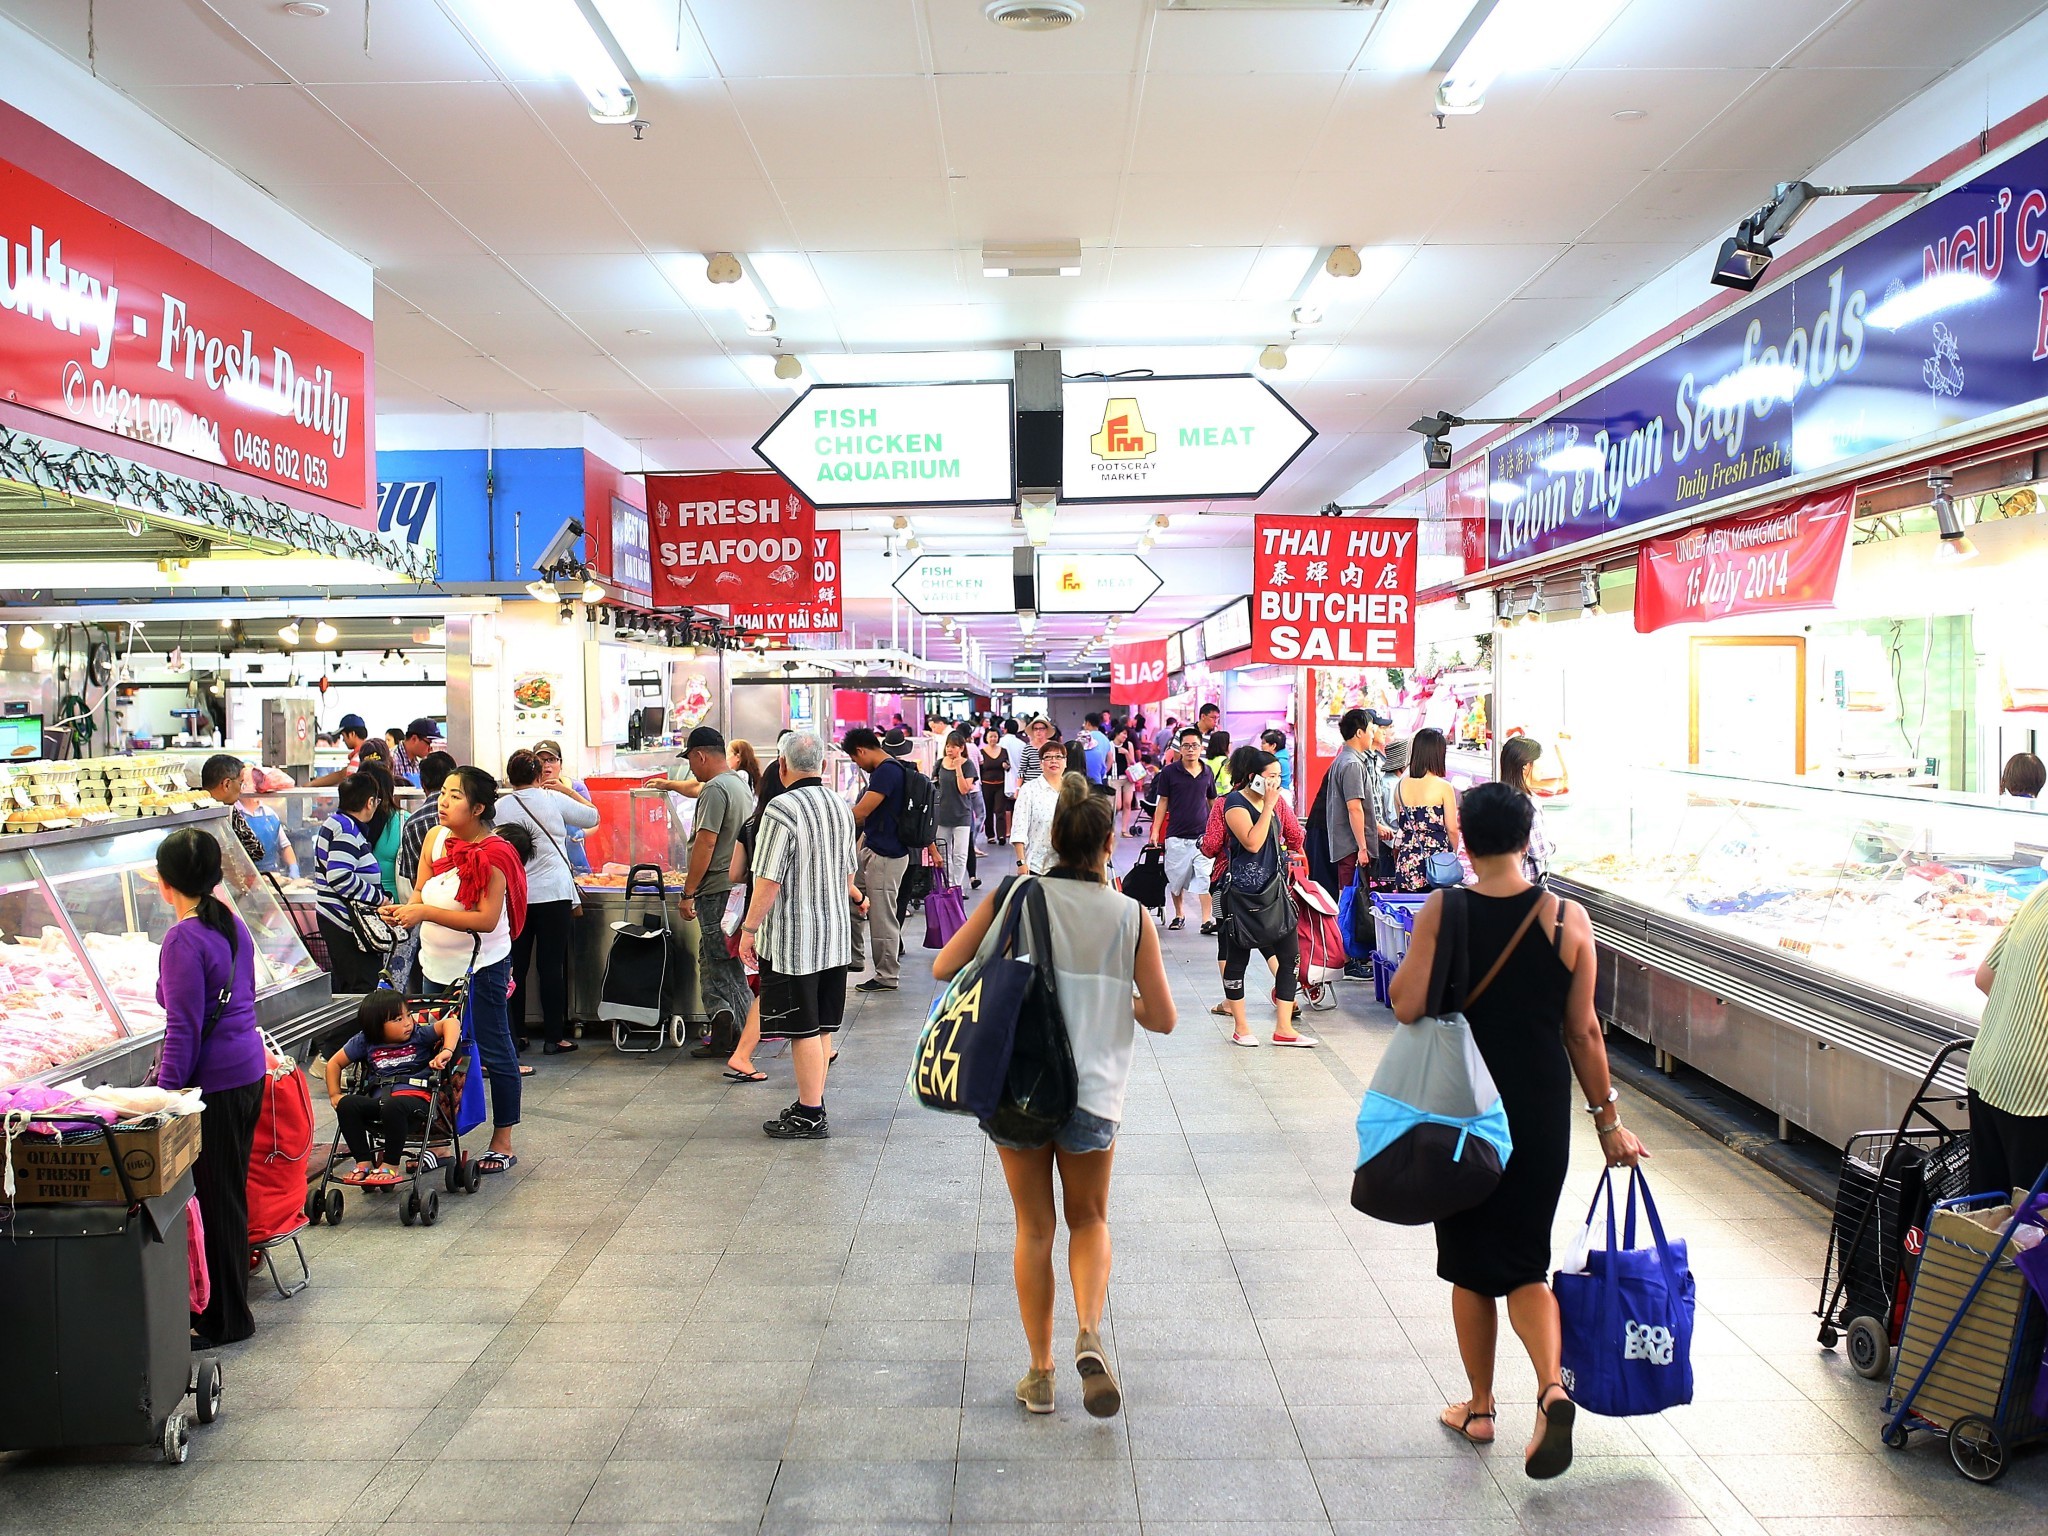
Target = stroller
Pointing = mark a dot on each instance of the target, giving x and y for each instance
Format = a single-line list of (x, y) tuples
[(438, 1144), (634, 993)]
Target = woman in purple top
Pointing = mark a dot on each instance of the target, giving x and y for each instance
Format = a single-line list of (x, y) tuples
[(206, 981)]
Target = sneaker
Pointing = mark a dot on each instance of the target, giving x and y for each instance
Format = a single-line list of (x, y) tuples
[(1035, 1391), (1208, 928), (1100, 1394), (876, 984), (1353, 971), (793, 1124)]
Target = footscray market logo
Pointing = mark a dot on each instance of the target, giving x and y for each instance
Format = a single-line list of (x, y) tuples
[(1123, 436)]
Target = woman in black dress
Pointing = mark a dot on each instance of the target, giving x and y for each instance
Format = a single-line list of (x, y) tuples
[(1536, 1029)]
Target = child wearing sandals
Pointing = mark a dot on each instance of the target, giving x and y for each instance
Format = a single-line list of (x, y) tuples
[(399, 1054)]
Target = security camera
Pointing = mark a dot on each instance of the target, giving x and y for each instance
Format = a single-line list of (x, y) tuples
[(562, 546), (1436, 452)]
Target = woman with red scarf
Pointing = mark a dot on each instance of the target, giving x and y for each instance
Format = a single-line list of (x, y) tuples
[(469, 903)]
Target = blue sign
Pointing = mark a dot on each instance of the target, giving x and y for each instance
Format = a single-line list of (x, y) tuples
[(1930, 323), (632, 553), (405, 510)]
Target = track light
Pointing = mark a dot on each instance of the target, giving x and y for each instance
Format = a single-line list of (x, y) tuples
[(592, 591), (1746, 253), (289, 632), (542, 591), (227, 623), (1589, 588), (1948, 520), (323, 633)]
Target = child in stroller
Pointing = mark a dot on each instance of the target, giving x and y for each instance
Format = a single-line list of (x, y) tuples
[(401, 1059)]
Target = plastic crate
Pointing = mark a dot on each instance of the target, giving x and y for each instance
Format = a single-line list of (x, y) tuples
[(1383, 977), (1393, 924)]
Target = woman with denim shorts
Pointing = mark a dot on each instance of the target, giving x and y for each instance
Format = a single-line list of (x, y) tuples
[(469, 904), (1112, 980)]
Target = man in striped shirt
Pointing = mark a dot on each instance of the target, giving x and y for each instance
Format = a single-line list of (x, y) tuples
[(799, 926), (345, 876)]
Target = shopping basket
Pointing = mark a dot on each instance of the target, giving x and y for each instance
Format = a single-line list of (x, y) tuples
[(1971, 1349), (1889, 1182)]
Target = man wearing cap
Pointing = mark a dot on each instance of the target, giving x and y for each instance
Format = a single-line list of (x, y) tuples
[(723, 802), (1352, 817), (353, 734), (421, 737)]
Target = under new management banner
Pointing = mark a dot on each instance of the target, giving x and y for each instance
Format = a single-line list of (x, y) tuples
[(1934, 321)]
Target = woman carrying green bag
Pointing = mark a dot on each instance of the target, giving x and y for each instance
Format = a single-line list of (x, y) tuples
[(1111, 981)]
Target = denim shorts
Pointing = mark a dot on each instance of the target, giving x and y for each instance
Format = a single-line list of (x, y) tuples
[(1082, 1133)]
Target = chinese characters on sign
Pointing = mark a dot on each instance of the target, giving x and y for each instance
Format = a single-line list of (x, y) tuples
[(815, 612), (1787, 556), (1329, 590)]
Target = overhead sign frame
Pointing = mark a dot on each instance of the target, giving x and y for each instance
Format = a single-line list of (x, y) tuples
[(1045, 588), (1003, 581), (818, 492), (1087, 428)]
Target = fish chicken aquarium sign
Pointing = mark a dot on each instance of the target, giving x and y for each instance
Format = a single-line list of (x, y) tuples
[(1333, 591)]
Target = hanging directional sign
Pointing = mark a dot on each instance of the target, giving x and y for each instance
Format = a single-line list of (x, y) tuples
[(1216, 437), (957, 584), (1094, 583), (898, 445)]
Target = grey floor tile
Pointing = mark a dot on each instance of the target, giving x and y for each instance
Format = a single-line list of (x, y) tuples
[(541, 1491), (811, 1494), (665, 1491), (990, 1491), (1177, 1492), (1202, 1434), (755, 1431), (1411, 1488), (830, 1431), (878, 1384)]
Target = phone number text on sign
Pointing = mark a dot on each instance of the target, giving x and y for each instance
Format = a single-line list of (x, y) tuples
[(1333, 591)]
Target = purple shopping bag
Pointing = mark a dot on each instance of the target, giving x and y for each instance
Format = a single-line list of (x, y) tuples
[(945, 913)]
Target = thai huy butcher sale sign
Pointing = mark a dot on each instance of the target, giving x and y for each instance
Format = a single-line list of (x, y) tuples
[(1333, 590)]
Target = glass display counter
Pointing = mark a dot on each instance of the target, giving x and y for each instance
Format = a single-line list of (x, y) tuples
[(81, 919), (1808, 946)]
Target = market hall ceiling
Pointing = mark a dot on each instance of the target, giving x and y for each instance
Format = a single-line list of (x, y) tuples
[(529, 258)]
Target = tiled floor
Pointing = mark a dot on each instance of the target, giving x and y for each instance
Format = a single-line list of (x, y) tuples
[(663, 1322)]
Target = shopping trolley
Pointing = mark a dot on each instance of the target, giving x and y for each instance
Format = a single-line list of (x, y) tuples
[(635, 988), (1890, 1180)]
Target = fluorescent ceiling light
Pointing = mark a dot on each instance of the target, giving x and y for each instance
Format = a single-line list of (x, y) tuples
[(688, 273), (1944, 290), (1753, 384), (1277, 272), (1502, 35), (788, 279), (1031, 258)]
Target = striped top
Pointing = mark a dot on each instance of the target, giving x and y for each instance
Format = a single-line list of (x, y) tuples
[(345, 869), (806, 846), (2009, 1062)]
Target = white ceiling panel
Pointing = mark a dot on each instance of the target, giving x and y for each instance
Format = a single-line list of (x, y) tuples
[(1500, 206), (1580, 109), (964, 42), (854, 278), (842, 127), (1015, 126), (451, 283), (1592, 270), (693, 135), (838, 213), (1081, 208), (563, 217), (1792, 120), (1282, 42), (1447, 289), (1876, 33), (265, 130), (796, 37), (1227, 123), (404, 42), (1650, 35), (600, 282), (715, 216), (1216, 273), (1682, 207), (387, 226), (131, 40), (1378, 203), (449, 132), (1200, 209)]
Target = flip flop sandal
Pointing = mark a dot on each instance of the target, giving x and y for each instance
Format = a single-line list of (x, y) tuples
[(745, 1077), (387, 1179), (1553, 1453), (1463, 1427), (496, 1162), (353, 1177), (1221, 1010), (526, 1071)]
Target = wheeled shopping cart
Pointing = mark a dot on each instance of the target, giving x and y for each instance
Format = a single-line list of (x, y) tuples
[(635, 991), (1970, 1353), (1890, 1180)]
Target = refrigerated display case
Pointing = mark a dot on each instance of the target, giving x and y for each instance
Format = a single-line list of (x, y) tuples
[(1808, 946), (81, 920)]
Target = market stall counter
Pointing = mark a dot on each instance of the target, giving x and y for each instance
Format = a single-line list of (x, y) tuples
[(81, 920)]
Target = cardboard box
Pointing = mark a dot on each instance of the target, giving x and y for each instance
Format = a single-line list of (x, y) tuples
[(82, 1167)]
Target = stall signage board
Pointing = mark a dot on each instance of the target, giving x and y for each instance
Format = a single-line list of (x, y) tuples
[(1210, 437), (815, 611), (1228, 629), (631, 550), (956, 584), (1933, 321), (730, 538), (898, 445), (1094, 583), (1784, 557), (408, 512), (103, 325), (1330, 591), (1137, 672)]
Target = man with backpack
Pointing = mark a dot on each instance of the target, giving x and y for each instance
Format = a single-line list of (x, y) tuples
[(896, 818)]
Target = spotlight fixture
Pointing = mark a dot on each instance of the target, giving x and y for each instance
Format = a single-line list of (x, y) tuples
[(899, 522), (1948, 519), (3, 637), (1589, 588), (541, 591), (1036, 513), (1343, 262), (1464, 602), (324, 633), (227, 623), (1746, 253), (289, 633), (1307, 314), (1533, 614), (723, 267)]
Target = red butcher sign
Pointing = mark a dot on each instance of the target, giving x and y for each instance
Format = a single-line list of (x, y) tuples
[(1327, 591), (741, 538)]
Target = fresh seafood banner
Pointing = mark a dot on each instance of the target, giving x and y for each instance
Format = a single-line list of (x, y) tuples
[(738, 539), (1935, 320), (1784, 557)]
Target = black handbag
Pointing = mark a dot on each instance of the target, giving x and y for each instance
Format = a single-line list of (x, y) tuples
[(1146, 882), (1042, 1088), (963, 1057), (1262, 919)]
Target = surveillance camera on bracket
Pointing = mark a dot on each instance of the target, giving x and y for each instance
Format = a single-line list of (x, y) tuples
[(562, 546)]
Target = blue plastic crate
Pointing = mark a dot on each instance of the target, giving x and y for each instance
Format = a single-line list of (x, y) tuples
[(1393, 923), (1382, 977)]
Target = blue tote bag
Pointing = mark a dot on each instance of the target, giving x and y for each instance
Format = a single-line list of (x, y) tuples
[(1627, 1314)]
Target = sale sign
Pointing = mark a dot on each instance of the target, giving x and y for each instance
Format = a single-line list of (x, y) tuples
[(1330, 591), (815, 611), (732, 538), (1137, 672), (1787, 556), (103, 325)]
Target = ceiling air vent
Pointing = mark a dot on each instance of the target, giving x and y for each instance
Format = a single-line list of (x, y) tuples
[(1270, 5), (1034, 15)]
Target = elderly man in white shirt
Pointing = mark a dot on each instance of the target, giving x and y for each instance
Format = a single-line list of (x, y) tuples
[(1031, 824)]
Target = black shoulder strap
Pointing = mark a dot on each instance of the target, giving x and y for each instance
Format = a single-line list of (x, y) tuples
[(1450, 965)]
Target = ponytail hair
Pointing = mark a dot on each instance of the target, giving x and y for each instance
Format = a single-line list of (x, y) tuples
[(188, 861), (1082, 824)]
